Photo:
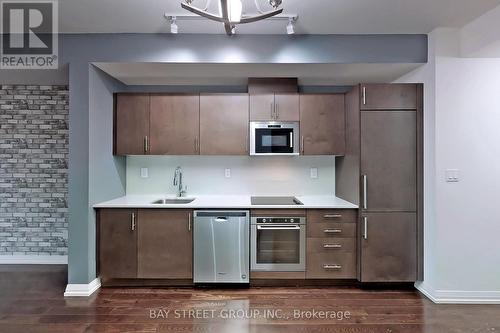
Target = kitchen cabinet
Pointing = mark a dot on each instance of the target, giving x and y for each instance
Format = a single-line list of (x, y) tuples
[(224, 124), (274, 107), (331, 244), (388, 96), (322, 124), (117, 243), (389, 160), (388, 247), (164, 244), (174, 124), (390, 225), (131, 136)]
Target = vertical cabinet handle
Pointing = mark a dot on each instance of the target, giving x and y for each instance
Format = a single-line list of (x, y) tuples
[(363, 94), (365, 200), (365, 227), (132, 222), (277, 111), (196, 145), (302, 144), (189, 221), (146, 144), (272, 110)]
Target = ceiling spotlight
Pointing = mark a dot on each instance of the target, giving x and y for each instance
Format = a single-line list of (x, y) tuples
[(275, 3), (173, 25), (289, 27)]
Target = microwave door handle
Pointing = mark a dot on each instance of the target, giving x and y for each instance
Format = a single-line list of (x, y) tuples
[(291, 139), (280, 227)]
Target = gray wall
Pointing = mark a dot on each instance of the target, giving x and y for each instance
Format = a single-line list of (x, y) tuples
[(103, 173), (35, 76), (79, 51), (33, 169)]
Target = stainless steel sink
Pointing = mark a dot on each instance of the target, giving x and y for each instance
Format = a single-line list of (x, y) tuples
[(173, 201)]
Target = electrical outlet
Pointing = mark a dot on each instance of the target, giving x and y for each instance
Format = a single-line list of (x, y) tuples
[(227, 173), (314, 173), (144, 173), (452, 175)]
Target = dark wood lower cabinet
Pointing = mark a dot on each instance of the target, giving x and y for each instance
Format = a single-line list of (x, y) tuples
[(145, 244), (117, 243), (388, 247), (331, 244), (165, 244)]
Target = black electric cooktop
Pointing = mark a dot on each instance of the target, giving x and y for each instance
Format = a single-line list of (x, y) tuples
[(275, 201)]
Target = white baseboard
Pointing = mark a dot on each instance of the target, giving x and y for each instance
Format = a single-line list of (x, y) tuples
[(33, 260), (458, 296), (82, 290)]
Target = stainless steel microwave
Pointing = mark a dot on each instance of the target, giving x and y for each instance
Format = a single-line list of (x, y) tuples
[(274, 138)]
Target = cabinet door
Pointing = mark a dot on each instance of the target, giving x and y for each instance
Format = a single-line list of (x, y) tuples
[(175, 124), (388, 247), (224, 124), (118, 243), (131, 124), (287, 107), (388, 96), (165, 244), (322, 124), (262, 107), (389, 160)]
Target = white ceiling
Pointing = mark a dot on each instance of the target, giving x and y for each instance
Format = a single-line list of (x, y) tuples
[(237, 74), (316, 16)]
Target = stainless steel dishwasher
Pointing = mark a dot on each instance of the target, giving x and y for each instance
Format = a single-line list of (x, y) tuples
[(221, 247)]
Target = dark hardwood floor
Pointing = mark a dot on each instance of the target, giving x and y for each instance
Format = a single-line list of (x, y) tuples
[(31, 301)]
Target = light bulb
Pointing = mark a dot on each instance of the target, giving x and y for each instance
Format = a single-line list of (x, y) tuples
[(289, 27), (173, 26), (234, 10)]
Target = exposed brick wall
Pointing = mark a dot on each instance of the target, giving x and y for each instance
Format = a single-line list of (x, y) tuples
[(33, 169)]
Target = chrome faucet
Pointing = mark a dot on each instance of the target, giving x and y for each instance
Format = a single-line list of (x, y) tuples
[(181, 190)]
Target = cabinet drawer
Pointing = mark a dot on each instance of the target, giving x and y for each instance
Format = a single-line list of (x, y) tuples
[(329, 215), (331, 245), (328, 229), (331, 266)]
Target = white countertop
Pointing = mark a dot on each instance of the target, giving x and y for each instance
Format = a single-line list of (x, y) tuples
[(224, 202)]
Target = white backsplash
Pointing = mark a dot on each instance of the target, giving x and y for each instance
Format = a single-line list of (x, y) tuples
[(204, 175)]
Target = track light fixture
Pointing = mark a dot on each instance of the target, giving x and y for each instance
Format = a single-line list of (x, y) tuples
[(231, 12)]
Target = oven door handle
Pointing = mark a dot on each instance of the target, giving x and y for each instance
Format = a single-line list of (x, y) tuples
[(278, 227)]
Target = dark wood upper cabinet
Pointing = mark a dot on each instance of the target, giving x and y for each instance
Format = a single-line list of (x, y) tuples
[(389, 160), (165, 244), (388, 96), (274, 107), (174, 124), (224, 124), (261, 107), (131, 124), (117, 243), (388, 247), (287, 107), (322, 124)]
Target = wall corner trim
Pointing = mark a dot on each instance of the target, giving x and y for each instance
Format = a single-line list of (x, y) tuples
[(83, 289), (33, 260), (458, 296)]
